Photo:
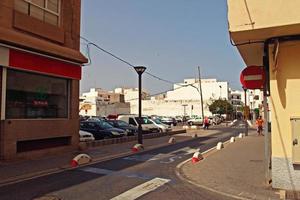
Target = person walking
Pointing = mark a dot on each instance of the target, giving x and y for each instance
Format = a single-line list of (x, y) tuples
[(206, 123), (259, 124)]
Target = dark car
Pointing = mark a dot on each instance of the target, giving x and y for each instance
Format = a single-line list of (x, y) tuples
[(169, 121), (130, 130), (101, 129)]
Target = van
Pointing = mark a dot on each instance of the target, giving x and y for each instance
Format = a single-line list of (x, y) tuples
[(147, 125)]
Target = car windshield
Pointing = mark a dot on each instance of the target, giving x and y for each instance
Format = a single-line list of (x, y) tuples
[(122, 123), (103, 124), (157, 121), (145, 120)]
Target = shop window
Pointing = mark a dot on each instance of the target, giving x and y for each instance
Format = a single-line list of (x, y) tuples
[(32, 96), (45, 10)]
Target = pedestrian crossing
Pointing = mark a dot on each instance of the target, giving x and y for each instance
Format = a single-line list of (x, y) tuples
[(142, 189), (152, 183)]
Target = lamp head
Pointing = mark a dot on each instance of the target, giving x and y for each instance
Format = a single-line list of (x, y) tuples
[(140, 69)]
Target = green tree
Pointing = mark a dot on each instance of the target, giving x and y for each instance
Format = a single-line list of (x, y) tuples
[(221, 106)]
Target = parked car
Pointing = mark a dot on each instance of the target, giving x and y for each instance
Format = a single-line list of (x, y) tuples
[(195, 121), (95, 118), (147, 125), (162, 127), (169, 121), (179, 119), (101, 129), (129, 129), (85, 136)]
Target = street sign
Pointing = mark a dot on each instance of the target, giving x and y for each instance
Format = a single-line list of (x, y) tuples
[(253, 77)]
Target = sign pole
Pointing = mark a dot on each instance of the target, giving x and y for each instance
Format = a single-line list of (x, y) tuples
[(245, 113)]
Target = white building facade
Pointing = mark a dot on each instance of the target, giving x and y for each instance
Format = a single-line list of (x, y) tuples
[(184, 99), (99, 102)]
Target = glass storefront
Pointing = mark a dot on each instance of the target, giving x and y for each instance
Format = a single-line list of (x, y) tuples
[(33, 96)]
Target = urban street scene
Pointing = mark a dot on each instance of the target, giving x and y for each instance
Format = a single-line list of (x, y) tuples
[(131, 99)]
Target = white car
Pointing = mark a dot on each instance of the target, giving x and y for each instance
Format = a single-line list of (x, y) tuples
[(147, 125), (162, 127), (85, 136), (195, 121)]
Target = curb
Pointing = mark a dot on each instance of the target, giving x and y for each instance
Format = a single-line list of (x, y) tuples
[(181, 176), (98, 143), (56, 170)]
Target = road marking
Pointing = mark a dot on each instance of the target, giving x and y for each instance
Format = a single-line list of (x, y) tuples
[(97, 170), (115, 173), (172, 156), (142, 189), (146, 157)]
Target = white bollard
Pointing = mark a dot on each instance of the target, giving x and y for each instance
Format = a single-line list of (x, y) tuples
[(241, 135), (232, 139), (172, 140), (137, 147), (220, 146), (194, 127), (197, 157), (80, 159), (185, 127)]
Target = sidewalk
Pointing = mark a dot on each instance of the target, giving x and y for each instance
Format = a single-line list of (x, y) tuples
[(236, 171), (20, 170)]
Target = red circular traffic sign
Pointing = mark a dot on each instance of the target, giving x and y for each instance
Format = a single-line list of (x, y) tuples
[(253, 77)]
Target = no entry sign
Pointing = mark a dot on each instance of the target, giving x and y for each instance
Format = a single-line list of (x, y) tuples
[(253, 77)]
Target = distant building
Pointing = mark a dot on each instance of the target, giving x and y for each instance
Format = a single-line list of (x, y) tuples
[(99, 102), (236, 98), (184, 99), (189, 90), (131, 94)]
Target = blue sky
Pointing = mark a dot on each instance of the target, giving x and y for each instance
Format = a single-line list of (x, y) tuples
[(170, 37)]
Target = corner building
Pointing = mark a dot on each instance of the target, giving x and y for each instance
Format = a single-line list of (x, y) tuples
[(40, 70)]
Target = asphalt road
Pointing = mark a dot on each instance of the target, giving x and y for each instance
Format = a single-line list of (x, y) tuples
[(146, 175)]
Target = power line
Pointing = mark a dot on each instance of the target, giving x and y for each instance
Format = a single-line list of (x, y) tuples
[(131, 65), (118, 58), (181, 86)]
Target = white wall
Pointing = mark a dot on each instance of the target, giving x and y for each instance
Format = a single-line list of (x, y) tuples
[(170, 108), (210, 90)]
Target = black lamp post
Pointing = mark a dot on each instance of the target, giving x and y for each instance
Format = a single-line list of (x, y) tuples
[(140, 70)]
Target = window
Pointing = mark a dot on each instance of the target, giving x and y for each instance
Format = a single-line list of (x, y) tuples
[(30, 96), (45, 10), (122, 123), (132, 122), (144, 120)]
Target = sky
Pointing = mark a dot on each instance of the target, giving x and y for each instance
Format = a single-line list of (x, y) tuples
[(170, 37)]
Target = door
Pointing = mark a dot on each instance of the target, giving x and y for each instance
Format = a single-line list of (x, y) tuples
[(295, 123)]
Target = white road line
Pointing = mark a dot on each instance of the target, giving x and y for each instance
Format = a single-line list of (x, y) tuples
[(142, 189)]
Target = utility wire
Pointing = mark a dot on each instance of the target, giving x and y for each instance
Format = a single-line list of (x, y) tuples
[(152, 95), (120, 59), (128, 63)]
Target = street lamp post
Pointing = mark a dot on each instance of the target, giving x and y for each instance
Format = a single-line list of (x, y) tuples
[(140, 70)]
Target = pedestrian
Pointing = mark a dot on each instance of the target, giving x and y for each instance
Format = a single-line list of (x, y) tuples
[(259, 124), (206, 123)]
